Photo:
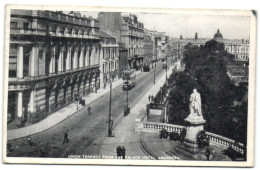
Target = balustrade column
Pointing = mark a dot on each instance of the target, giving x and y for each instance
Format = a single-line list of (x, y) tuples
[(75, 59), (51, 61), (81, 61), (92, 56), (20, 61), (86, 56), (54, 60), (31, 102), (60, 60), (20, 104), (32, 63), (68, 60)]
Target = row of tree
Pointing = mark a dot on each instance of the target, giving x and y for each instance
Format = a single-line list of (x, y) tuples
[(206, 70)]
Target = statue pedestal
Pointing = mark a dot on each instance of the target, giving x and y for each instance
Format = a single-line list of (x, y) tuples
[(190, 149)]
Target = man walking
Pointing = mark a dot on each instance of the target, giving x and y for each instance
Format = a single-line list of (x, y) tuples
[(66, 135), (29, 141), (207, 153), (123, 152), (118, 151)]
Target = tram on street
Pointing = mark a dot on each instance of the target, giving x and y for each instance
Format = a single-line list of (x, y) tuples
[(129, 79)]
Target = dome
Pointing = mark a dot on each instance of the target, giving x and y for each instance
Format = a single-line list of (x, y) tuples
[(218, 35)]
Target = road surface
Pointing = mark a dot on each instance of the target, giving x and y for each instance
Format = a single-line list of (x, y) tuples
[(86, 131)]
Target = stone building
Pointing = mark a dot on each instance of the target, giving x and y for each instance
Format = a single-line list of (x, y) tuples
[(53, 57), (218, 36), (128, 30), (109, 64), (161, 41), (148, 49), (239, 48), (123, 61)]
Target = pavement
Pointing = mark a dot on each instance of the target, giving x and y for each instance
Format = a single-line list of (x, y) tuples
[(163, 149), (124, 132), (59, 115)]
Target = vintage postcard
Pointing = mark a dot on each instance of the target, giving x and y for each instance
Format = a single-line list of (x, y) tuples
[(129, 86)]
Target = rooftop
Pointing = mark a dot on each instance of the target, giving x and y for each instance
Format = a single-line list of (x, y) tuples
[(105, 35)]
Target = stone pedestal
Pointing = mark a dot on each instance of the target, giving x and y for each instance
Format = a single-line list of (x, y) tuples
[(190, 149)]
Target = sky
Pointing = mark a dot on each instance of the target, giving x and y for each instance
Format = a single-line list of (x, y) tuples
[(231, 27)]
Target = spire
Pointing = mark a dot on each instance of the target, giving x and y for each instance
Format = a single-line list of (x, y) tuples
[(218, 31), (196, 36)]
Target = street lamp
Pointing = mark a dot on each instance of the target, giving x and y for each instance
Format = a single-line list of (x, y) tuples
[(155, 69), (166, 68), (110, 121)]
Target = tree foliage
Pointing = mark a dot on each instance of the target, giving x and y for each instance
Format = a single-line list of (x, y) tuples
[(205, 70)]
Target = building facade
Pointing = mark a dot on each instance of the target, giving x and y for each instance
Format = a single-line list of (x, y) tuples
[(109, 58), (218, 36), (123, 61), (128, 30), (53, 58), (148, 50), (240, 49)]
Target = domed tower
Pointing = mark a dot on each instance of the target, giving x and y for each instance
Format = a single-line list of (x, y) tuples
[(218, 36)]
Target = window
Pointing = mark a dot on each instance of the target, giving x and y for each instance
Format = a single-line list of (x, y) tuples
[(13, 25), (25, 26)]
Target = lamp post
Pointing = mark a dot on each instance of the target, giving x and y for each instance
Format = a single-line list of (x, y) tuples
[(166, 69), (127, 94), (110, 122), (155, 69)]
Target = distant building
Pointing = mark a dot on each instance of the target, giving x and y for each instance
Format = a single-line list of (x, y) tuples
[(238, 74), (109, 56), (128, 30), (239, 48), (123, 61), (218, 36), (148, 49), (53, 58)]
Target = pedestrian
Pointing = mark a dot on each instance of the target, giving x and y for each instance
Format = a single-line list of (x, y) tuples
[(66, 135), (149, 97), (118, 151), (29, 141), (207, 153), (123, 152), (152, 98), (89, 110)]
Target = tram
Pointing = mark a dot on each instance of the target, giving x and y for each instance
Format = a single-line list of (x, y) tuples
[(129, 79)]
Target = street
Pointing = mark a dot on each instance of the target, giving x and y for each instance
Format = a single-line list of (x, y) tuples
[(86, 131)]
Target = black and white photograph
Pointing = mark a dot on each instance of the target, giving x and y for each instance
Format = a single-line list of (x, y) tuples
[(135, 86)]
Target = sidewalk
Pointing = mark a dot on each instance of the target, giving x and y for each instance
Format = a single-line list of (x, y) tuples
[(59, 115), (163, 149), (124, 132)]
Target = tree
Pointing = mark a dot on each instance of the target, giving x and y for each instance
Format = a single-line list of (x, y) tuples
[(205, 70)]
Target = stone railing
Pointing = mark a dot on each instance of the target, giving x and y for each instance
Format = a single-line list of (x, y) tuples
[(151, 127), (224, 142), (215, 140)]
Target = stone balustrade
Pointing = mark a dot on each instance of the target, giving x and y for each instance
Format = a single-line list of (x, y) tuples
[(152, 127), (215, 140), (224, 142)]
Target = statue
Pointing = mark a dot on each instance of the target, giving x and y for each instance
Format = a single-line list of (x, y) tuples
[(195, 104)]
